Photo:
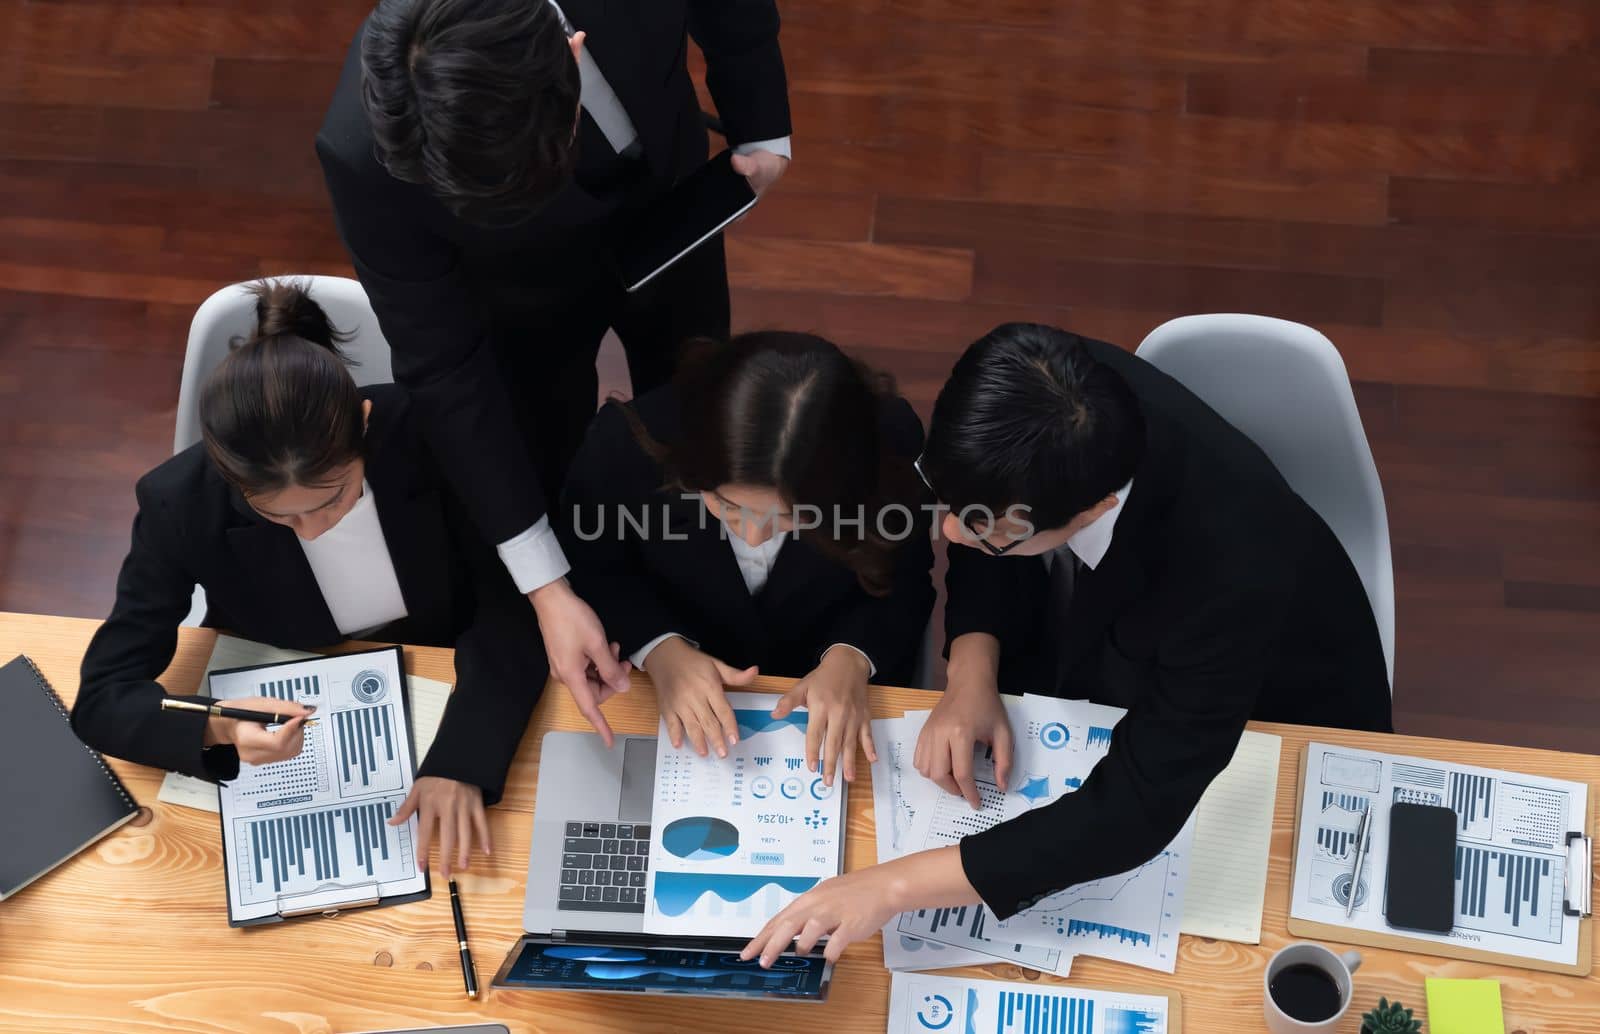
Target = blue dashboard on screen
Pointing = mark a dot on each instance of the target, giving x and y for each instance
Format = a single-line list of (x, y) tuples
[(661, 970)]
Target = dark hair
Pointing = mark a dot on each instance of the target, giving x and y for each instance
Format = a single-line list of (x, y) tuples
[(477, 99), (791, 412), (282, 409), (1029, 417)]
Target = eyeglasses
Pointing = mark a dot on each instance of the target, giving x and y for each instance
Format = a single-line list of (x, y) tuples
[(978, 536)]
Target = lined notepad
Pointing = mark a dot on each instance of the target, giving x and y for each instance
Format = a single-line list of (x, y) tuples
[(1233, 838), (428, 699)]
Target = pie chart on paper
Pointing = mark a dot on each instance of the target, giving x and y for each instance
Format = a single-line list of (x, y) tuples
[(700, 838)]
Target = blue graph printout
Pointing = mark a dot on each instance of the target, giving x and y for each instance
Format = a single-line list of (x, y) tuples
[(1131, 917), (738, 838), (920, 1003), (1510, 854), (314, 830)]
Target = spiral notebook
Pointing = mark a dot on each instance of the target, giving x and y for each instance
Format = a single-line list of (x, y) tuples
[(60, 796)]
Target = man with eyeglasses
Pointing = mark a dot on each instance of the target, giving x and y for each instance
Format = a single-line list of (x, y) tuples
[(1114, 539)]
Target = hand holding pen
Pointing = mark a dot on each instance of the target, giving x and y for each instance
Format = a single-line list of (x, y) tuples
[(244, 723)]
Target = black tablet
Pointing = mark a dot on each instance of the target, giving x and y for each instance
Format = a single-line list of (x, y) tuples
[(693, 212), (541, 963)]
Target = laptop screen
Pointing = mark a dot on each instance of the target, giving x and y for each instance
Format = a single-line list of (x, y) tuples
[(535, 963)]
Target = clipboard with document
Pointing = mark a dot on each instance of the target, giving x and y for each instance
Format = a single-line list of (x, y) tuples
[(311, 835)]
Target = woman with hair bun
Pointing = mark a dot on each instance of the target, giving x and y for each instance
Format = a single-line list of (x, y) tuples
[(313, 513)]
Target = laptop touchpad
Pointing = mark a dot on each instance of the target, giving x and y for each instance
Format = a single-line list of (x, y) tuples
[(638, 778)]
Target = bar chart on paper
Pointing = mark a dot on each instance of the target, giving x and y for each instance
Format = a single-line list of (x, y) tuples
[(285, 855), (306, 689), (1034, 1012), (317, 824), (923, 1002), (1509, 892), (967, 926), (368, 759)]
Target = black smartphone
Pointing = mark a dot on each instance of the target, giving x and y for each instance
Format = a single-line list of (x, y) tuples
[(1420, 890), (692, 212)]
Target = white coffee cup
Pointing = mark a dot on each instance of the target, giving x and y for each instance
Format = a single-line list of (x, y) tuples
[(1337, 968)]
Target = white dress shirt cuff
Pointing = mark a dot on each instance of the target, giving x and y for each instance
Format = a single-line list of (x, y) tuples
[(639, 656), (872, 669), (534, 557), (778, 145)]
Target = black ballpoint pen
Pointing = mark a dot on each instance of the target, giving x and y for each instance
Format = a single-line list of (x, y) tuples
[(224, 711), (468, 973)]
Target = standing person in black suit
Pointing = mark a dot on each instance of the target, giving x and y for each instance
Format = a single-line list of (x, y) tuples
[(1112, 539), (480, 155), (759, 513), (313, 512)]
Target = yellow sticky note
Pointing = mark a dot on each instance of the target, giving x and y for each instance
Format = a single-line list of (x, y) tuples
[(1464, 1007)]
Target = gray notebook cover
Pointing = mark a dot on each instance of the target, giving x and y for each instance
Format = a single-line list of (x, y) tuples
[(60, 797)]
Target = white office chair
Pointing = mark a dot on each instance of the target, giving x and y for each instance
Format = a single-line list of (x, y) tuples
[(230, 315), (1284, 385)]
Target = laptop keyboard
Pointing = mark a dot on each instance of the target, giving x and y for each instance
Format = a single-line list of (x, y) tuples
[(603, 866)]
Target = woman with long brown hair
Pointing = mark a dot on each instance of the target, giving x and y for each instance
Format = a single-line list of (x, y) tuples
[(759, 514)]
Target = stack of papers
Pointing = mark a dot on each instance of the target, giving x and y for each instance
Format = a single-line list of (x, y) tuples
[(1133, 917)]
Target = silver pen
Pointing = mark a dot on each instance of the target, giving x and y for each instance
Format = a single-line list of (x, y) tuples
[(1361, 851)]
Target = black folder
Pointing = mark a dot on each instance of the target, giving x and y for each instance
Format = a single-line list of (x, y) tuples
[(59, 795)]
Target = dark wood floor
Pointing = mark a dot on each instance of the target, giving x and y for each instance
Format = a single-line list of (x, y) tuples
[(1420, 180)]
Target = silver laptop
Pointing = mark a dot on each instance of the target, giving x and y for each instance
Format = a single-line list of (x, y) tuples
[(591, 834), (588, 869)]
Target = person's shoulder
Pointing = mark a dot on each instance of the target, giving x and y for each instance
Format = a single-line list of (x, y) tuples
[(180, 494), (176, 478), (658, 410), (345, 137), (900, 425)]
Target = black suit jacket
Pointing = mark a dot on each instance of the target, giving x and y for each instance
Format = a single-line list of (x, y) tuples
[(442, 288), (194, 528), (681, 575), (1223, 597)]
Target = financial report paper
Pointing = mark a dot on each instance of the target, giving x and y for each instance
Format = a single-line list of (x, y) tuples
[(428, 700), (1131, 917), (920, 1002), (738, 838), (313, 831), (898, 790)]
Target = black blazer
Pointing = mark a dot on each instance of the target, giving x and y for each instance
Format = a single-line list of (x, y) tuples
[(194, 528), (1223, 597), (681, 576), (442, 288)]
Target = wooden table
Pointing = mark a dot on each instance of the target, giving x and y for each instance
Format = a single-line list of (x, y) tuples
[(132, 935)]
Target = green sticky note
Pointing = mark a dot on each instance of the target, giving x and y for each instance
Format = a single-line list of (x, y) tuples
[(1464, 1007)]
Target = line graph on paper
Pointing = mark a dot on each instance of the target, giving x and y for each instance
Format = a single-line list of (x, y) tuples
[(1132, 916)]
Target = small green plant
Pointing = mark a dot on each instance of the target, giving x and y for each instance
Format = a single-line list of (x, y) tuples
[(1390, 1018)]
